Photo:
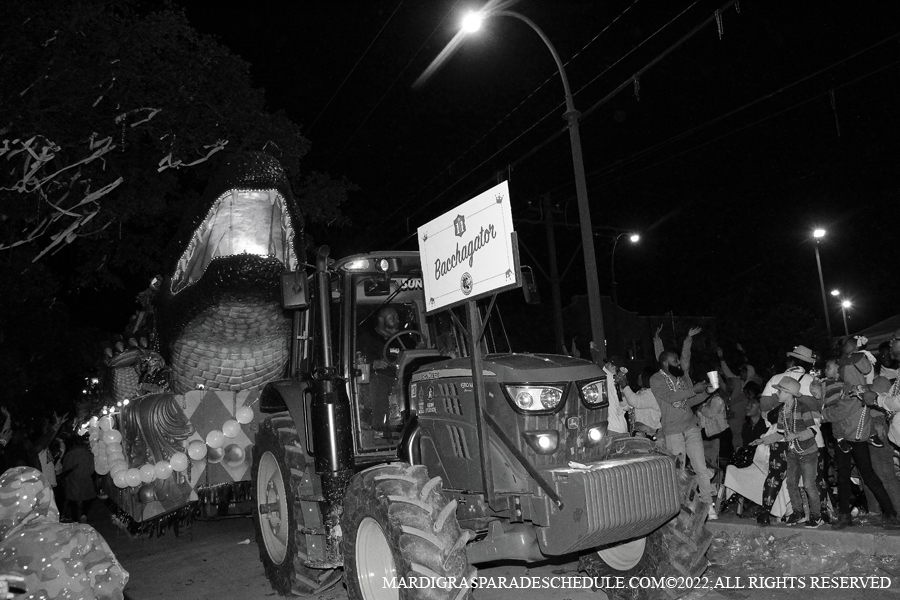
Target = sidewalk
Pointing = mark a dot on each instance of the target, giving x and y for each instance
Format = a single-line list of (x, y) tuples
[(868, 540)]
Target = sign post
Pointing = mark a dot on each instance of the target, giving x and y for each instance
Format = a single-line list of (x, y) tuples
[(468, 253)]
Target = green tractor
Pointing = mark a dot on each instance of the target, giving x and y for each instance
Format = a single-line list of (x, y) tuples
[(376, 457)]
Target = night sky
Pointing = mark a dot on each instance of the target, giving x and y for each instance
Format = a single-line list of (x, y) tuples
[(734, 147)]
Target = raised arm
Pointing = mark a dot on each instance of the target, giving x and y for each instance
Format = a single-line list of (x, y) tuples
[(657, 343), (728, 372), (686, 348)]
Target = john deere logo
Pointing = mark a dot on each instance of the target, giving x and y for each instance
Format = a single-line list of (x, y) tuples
[(466, 284), (459, 225)]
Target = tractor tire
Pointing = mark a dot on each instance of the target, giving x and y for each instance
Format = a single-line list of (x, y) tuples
[(677, 549), (278, 465), (398, 524)]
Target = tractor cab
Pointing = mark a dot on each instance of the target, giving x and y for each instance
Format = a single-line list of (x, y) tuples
[(381, 336)]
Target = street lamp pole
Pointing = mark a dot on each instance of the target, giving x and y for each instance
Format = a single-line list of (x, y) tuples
[(818, 233), (844, 306), (584, 212)]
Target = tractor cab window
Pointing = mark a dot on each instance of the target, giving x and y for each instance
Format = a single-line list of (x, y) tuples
[(383, 331)]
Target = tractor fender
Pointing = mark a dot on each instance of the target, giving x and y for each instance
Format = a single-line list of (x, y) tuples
[(295, 397)]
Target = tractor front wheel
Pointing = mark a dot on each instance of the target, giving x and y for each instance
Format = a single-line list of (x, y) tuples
[(402, 539)]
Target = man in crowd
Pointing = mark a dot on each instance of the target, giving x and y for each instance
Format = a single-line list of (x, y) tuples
[(677, 394)]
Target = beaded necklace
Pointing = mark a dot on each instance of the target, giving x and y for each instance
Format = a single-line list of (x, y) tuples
[(789, 418), (673, 384)]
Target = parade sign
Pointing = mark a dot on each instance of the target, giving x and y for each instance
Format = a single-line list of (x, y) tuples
[(470, 251)]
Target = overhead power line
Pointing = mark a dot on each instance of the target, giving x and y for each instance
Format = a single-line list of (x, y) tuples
[(393, 83), (532, 126), (359, 60)]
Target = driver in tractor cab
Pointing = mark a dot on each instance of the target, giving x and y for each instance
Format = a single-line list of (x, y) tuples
[(382, 347), (387, 325)]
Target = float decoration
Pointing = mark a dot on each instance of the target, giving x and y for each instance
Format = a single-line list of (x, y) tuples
[(210, 333)]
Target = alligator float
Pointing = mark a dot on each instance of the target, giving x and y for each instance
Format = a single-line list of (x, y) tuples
[(209, 335)]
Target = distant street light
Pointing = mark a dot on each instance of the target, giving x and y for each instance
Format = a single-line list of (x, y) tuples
[(819, 234), (634, 238), (844, 306), (471, 23)]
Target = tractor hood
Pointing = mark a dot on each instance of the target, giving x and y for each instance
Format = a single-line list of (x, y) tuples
[(520, 368)]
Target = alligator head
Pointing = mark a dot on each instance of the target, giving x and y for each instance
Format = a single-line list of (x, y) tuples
[(220, 317)]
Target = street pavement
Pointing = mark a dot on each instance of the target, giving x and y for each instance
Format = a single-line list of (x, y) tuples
[(219, 560)]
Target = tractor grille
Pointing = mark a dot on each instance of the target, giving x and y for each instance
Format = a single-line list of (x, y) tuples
[(617, 500)]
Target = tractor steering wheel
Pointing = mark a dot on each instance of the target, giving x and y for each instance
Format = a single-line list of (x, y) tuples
[(384, 352)]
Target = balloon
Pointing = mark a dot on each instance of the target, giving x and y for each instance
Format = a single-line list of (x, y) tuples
[(147, 494), (163, 469), (215, 439), (116, 467), (120, 479), (179, 461), (197, 450), (234, 456), (115, 436), (244, 415), (231, 428), (148, 473), (105, 423), (102, 469), (215, 455), (133, 477), (114, 448)]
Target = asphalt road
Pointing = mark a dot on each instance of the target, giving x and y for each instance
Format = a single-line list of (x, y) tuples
[(219, 560)]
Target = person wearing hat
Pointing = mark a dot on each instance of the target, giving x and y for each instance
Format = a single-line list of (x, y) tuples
[(799, 360), (797, 428), (846, 412)]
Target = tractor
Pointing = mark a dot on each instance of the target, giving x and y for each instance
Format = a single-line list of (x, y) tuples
[(376, 461)]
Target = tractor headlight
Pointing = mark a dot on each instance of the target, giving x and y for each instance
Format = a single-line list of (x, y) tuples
[(594, 393), (536, 398)]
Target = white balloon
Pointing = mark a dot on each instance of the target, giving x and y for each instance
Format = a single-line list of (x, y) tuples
[(244, 415), (148, 473)]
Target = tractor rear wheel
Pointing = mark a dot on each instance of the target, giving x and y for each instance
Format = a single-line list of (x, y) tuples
[(677, 549), (397, 526), (278, 464)]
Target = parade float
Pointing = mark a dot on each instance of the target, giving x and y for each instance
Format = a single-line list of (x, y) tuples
[(176, 429)]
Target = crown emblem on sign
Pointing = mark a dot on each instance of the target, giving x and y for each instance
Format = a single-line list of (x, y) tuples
[(499, 198)]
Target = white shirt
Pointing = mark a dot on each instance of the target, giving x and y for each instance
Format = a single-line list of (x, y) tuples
[(47, 466), (616, 411)]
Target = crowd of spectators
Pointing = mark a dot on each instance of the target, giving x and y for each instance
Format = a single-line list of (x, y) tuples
[(788, 447)]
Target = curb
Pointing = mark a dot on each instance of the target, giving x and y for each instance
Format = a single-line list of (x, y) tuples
[(867, 540)]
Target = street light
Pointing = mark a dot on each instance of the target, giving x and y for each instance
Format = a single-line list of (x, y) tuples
[(634, 238), (819, 234), (844, 306), (472, 22), (614, 338)]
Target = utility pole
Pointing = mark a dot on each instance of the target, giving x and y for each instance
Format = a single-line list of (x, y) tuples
[(549, 223)]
